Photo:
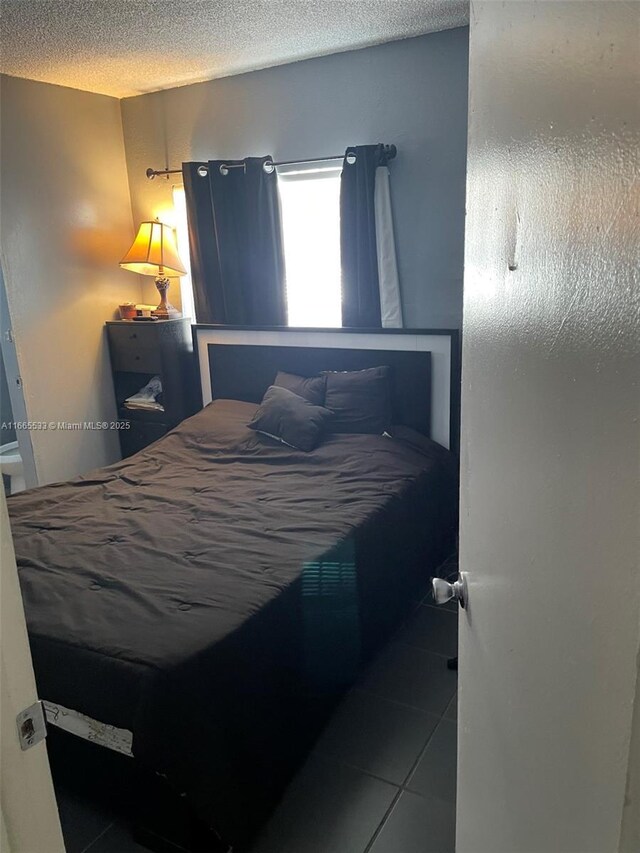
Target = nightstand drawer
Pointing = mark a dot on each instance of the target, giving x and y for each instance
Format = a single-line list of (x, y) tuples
[(134, 350)]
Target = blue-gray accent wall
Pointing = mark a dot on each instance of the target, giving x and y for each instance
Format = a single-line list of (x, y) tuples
[(412, 93)]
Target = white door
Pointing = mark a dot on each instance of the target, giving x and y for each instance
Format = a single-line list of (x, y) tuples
[(29, 816), (550, 431)]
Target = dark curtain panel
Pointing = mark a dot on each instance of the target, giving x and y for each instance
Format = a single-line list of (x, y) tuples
[(235, 241), (360, 287)]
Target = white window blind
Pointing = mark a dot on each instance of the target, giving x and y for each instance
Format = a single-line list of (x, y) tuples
[(182, 234)]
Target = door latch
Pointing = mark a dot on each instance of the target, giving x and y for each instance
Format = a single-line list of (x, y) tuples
[(31, 726)]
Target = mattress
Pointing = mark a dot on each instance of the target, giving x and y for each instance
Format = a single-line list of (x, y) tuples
[(216, 593)]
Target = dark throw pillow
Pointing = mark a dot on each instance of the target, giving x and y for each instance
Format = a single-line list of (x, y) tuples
[(360, 400), (290, 419), (312, 388)]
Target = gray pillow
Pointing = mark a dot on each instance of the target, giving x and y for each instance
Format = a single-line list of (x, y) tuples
[(290, 419), (360, 400), (312, 388)]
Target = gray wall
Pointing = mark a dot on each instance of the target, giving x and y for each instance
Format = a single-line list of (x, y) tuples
[(411, 92), (66, 222)]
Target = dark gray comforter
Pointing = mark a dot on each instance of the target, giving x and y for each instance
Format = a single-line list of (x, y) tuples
[(217, 591)]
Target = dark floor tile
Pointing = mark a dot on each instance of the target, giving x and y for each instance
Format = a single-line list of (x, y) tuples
[(424, 593), (117, 839), (418, 825), (435, 775), (432, 629), (377, 735), (449, 568), (449, 607), (329, 808), (452, 709), (81, 820), (412, 676), (428, 601)]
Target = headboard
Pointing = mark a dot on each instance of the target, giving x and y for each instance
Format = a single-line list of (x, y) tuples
[(239, 363)]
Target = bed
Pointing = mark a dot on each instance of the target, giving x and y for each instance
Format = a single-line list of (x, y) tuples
[(202, 605)]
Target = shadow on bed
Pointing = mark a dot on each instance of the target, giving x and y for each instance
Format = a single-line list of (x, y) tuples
[(278, 678)]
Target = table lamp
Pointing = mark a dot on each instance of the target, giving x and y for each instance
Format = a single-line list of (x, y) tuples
[(154, 252)]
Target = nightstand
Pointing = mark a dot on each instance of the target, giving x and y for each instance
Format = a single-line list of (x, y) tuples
[(139, 351)]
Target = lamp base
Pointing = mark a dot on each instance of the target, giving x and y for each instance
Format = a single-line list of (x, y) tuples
[(165, 310)]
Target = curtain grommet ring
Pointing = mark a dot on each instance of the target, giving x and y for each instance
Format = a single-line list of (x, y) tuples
[(269, 167), (224, 170), (203, 171), (351, 158)]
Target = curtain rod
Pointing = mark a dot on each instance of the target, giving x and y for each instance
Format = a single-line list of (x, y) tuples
[(269, 165)]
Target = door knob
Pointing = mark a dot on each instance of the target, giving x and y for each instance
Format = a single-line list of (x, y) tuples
[(444, 591)]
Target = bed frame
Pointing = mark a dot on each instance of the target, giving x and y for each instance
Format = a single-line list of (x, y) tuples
[(240, 362)]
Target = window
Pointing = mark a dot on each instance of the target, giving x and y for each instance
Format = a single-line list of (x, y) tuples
[(182, 235), (310, 200)]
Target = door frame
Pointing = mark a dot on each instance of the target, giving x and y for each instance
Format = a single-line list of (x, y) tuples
[(14, 382), (29, 819)]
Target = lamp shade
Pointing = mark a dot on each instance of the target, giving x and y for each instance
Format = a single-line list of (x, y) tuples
[(154, 251)]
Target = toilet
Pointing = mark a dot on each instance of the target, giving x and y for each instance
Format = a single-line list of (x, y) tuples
[(11, 466)]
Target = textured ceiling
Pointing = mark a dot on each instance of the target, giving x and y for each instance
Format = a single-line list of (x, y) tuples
[(126, 47)]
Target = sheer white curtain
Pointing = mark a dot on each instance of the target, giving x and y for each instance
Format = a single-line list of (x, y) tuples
[(182, 233), (390, 304)]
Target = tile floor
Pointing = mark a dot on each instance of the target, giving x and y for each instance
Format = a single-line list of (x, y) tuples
[(382, 778)]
